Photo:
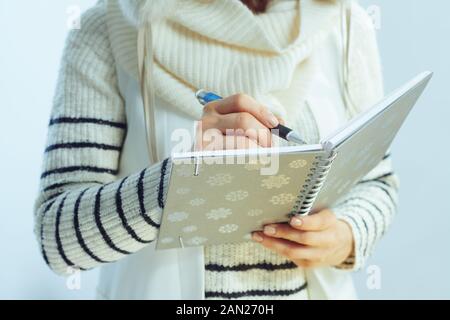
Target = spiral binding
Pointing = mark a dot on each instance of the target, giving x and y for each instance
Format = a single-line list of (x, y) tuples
[(316, 178)]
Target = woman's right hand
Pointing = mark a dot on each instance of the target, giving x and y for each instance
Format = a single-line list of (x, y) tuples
[(236, 122)]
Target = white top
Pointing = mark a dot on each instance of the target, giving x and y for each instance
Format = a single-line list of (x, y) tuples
[(87, 216)]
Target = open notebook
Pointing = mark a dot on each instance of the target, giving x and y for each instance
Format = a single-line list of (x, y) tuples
[(222, 196)]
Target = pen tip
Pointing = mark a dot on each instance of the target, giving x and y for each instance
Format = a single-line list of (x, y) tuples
[(295, 137)]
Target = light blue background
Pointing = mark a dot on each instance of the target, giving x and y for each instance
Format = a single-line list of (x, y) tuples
[(414, 258)]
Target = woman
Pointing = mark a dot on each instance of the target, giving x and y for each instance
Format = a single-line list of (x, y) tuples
[(127, 82)]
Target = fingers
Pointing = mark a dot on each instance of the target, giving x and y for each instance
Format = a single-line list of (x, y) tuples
[(313, 242), (245, 124), (238, 115), (281, 120), (307, 238), (239, 142), (210, 140), (288, 249), (243, 103), (213, 140), (315, 222)]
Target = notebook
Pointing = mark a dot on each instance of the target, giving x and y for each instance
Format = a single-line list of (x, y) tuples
[(219, 197)]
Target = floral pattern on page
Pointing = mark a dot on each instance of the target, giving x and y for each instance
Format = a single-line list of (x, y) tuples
[(226, 202)]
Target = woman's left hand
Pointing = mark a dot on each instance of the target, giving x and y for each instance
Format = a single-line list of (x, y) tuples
[(312, 241)]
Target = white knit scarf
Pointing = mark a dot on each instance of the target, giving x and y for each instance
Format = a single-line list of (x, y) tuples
[(220, 45)]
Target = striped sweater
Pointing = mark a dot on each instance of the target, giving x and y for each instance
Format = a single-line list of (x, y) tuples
[(85, 217)]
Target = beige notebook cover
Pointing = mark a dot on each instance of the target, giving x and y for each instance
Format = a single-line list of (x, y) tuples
[(224, 203), (362, 144), (220, 202)]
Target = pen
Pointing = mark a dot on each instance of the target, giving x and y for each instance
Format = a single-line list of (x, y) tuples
[(205, 97)]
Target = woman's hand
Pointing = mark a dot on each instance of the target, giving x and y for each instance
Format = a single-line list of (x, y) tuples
[(312, 241), (236, 122)]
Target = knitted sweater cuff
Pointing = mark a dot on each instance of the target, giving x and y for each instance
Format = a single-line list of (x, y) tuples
[(90, 225)]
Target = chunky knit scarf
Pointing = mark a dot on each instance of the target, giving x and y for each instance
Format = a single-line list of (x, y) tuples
[(222, 46)]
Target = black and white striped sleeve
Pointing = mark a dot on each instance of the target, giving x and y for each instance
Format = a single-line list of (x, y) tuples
[(84, 216), (369, 210)]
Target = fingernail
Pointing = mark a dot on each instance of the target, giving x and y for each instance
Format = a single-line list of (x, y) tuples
[(296, 222), (270, 231), (256, 237), (272, 119)]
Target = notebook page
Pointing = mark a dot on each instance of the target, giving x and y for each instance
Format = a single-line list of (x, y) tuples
[(226, 202), (358, 154), (336, 138)]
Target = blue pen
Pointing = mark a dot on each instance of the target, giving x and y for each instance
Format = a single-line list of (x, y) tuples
[(205, 97)]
